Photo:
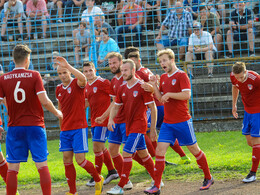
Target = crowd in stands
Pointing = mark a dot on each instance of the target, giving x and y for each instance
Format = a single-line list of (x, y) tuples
[(195, 27)]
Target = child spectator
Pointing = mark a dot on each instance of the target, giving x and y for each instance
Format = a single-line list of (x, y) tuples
[(82, 42), (106, 46), (36, 11)]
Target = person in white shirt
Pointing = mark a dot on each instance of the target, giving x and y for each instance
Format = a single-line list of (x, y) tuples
[(201, 47)]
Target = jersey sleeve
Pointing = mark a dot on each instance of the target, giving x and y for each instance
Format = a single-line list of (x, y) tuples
[(107, 86), (118, 100), (112, 92), (185, 83), (148, 97), (39, 88)]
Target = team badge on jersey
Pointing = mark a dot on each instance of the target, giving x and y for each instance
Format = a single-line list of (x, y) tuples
[(95, 89), (250, 87), (135, 93), (69, 90), (173, 81)]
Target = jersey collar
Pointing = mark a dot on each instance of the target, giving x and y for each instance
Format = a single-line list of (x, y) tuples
[(246, 76), (68, 84), (94, 81), (133, 84), (19, 68), (173, 73), (118, 78)]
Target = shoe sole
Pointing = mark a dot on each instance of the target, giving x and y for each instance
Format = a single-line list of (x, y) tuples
[(110, 178), (156, 193), (249, 181)]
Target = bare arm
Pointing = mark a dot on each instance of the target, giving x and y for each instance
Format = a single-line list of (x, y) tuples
[(153, 108), (47, 103), (154, 82), (104, 116), (184, 95), (60, 120), (113, 113), (235, 93)]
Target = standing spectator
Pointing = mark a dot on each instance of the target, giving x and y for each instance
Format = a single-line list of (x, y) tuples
[(106, 46), (247, 83), (134, 19), (179, 23), (149, 5), (192, 6), (210, 23), (36, 11), (74, 128), (25, 95), (82, 42), (201, 47), (131, 95), (174, 92), (241, 29), (14, 13)]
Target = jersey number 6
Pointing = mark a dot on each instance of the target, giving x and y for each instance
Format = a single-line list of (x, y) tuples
[(16, 91)]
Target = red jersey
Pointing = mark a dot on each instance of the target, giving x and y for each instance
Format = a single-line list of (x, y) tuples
[(134, 99), (145, 74), (72, 105), (175, 111), (249, 90), (21, 88), (97, 94), (115, 84)]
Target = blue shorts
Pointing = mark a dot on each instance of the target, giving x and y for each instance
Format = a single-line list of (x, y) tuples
[(118, 136), (21, 139), (165, 41), (135, 141), (183, 131), (74, 140), (160, 116), (99, 134), (251, 124)]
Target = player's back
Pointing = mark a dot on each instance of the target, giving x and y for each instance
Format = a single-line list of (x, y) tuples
[(21, 88)]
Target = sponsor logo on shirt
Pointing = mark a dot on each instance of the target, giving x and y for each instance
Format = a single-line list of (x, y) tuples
[(135, 93), (123, 94), (59, 95), (163, 83), (250, 87), (173, 81), (69, 90), (114, 86), (95, 89), (237, 85)]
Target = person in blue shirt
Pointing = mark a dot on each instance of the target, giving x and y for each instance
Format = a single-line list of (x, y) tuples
[(193, 7), (12, 66), (106, 46)]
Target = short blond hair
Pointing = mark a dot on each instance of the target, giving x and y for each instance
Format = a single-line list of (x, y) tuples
[(114, 54), (239, 67), (129, 61), (169, 52)]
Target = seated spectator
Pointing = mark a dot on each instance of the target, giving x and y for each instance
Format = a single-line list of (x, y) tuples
[(134, 18), (82, 42), (179, 23), (2, 2), (149, 5), (192, 6), (12, 66), (90, 11), (210, 23), (59, 4), (241, 29), (106, 46), (212, 9), (36, 11), (53, 65), (99, 23), (201, 47), (14, 13), (68, 4)]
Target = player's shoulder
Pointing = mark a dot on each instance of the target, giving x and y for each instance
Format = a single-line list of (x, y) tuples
[(253, 75), (103, 80)]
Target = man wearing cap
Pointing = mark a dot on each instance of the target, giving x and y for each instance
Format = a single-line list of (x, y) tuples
[(201, 47)]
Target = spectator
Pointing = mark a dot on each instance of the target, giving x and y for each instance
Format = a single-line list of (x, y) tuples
[(149, 5), (1, 70), (134, 18), (2, 2), (212, 9), (82, 42), (107, 45), (14, 13), (241, 29), (12, 66), (68, 4), (179, 23), (192, 6), (201, 47), (109, 6), (90, 11), (210, 23), (99, 23), (58, 3), (36, 11), (53, 65)]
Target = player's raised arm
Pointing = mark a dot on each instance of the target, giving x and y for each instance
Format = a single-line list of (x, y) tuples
[(62, 62), (113, 113), (235, 93), (47, 103)]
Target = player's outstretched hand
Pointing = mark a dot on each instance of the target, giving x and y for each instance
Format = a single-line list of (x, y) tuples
[(62, 62), (99, 120), (59, 115), (234, 111), (1, 131), (111, 125)]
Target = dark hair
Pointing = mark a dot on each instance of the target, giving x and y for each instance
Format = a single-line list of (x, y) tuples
[(83, 23), (20, 53), (88, 63), (203, 6), (239, 67), (104, 30), (129, 50), (134, 55), (114, 54)]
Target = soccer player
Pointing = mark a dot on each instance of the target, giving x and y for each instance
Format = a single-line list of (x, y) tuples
[(247, 82), (74, 128), (174, 91), (24, 93), (97, 98), (145, 74), (135, 101)]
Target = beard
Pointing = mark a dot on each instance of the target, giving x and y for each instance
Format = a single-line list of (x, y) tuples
[(116, 72), (129, 77)]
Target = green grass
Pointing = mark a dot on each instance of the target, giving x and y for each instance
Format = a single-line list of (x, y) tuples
[(228, 156)]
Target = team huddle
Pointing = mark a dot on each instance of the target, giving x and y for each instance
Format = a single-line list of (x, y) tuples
[(141, 103)]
